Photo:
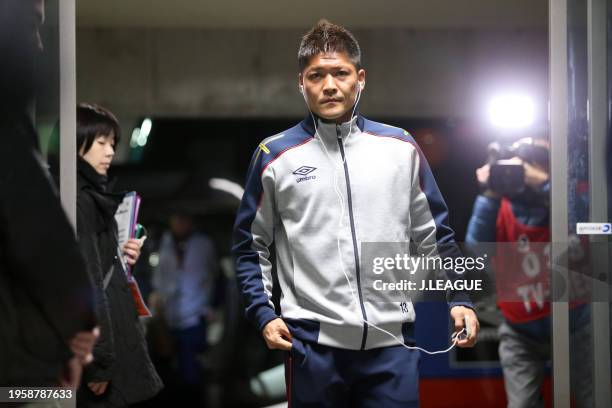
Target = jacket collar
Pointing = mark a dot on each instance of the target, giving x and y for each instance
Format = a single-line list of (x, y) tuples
[(106, 201), (327, 127), (90, 176)]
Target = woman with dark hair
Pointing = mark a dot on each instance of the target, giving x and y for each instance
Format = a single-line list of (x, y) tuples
[(122, 372)]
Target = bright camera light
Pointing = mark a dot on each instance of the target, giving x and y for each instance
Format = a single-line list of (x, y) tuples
[(512, 111)]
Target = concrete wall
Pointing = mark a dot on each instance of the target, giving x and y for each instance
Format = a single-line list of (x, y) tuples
[(245, 73), (253, 73)]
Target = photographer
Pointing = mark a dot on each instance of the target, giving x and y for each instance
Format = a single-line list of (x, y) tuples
[(520, 172), (514, 208)]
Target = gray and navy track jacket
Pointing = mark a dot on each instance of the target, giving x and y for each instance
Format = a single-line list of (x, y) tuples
[(292, 199)]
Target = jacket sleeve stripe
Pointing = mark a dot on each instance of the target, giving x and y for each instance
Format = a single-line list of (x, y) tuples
[(252, 236), (254, 231)]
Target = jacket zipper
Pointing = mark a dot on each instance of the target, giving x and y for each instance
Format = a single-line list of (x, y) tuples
[(355, 249)]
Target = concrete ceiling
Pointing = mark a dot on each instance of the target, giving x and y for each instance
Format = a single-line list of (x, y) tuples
[(237, 14)]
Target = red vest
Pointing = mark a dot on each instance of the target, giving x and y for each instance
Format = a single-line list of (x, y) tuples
[(522, 268)]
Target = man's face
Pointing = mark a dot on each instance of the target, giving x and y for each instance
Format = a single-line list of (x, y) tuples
[(29, 15), (331, 84), (20, 46)]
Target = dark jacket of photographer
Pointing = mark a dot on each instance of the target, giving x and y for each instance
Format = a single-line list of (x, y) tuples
[(45, 293), (121, 356)]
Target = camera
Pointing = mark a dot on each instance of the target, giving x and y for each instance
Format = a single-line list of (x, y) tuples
[(506, 177)]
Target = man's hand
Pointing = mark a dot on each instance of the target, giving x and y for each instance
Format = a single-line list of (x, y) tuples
[(71, 374), (277, 335), (535, 176), (458, 313), (132, 249), (98, 388), (483, 173), (82, 345)]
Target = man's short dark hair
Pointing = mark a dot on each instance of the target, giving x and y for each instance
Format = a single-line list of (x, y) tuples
[(93, 121), (327, 37)]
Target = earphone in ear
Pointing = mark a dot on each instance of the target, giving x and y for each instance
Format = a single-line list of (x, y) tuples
[(302, 89)]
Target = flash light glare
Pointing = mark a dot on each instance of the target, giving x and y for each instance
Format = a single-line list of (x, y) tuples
[(511, 111)]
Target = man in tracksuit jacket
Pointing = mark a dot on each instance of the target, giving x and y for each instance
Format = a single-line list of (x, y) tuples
[(318, 190)]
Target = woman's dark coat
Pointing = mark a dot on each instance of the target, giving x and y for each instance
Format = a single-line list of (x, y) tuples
[(121, 355)]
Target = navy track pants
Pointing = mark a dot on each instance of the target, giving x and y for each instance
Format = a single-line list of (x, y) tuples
[(322, 376)]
